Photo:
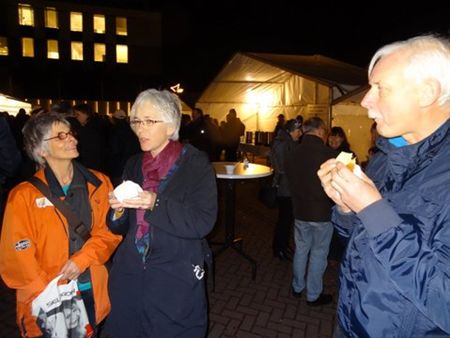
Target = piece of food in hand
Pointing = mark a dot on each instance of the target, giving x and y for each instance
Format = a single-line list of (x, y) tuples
[(350, 162), (127, 190)]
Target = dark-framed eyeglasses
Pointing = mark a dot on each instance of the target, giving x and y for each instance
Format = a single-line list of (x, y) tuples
[(146, 123), (62, 135)]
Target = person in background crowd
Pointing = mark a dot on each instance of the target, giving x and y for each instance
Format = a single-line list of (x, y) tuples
[(215, 138), (197, 132), (37, 244), (280, 124), (312, 212), (157, 283), (184, 129), (394, 278), (283, 145), (299, 119), (231, 134), (10, 159), (92, 134), (17, 124), (337, 140), (373, 148), (122, 144)]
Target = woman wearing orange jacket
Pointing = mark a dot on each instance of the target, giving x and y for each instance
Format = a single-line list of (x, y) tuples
[(37, 244)]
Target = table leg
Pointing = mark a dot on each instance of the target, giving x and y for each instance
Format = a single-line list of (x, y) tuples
[(230, 215)]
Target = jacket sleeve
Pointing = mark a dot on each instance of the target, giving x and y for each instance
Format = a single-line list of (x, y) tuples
[(343, 222), (194, 214), (118, 225), (102, 243), (19, 266), (414, 247)]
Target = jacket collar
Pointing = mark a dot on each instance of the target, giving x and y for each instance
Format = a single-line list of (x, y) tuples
[(312, 139), (79, 173), (408, 159)]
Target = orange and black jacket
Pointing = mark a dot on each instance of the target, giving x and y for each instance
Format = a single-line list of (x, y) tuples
[(34, 245)]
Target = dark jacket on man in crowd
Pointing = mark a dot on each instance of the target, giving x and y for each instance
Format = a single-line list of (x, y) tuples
[(9, 158), (309, 200)]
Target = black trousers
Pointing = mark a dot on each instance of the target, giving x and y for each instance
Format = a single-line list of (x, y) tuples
[(283, 227)]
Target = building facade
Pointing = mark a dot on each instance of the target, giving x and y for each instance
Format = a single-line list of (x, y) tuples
[(51, 50)]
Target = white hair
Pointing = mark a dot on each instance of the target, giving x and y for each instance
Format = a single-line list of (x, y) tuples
[(427, 56), (163, 101)]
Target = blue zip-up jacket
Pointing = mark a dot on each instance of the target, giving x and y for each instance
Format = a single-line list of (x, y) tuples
[(395, 275)]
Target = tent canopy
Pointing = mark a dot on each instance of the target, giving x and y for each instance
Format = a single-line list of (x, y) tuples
[(261, 86), (12, 105)]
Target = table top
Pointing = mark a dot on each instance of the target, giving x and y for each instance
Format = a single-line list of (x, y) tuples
[(240, 171)]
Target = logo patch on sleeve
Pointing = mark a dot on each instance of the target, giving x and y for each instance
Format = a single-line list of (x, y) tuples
[(23, 244), (43, 202)]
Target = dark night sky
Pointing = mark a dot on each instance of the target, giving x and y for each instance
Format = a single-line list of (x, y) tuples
[(214, 31), (201, 36)]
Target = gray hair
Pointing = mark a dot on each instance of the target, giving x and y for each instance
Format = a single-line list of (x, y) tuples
[(36, 130), (163, 101), (312, 124), (427, 56)]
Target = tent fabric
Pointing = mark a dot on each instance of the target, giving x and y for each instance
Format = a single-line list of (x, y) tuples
[(12, 105), (260, 86)]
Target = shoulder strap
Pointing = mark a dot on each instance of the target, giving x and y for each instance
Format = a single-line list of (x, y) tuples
[(74, 222)]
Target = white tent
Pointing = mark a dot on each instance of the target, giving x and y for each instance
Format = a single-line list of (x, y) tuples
[(261, 86), (12, 105)]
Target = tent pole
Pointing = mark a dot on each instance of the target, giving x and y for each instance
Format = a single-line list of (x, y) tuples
[(330, 101)]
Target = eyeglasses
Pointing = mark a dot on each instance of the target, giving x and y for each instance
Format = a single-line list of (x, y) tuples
[(62, 135), (145, 123)]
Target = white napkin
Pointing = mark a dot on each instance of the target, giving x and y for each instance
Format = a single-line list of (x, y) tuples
[(127, 190)]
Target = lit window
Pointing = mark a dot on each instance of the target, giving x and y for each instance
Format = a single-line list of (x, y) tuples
[(51, 17), (121, 26), (99, 52), (26, 15), (27, 47), (99, 24), (3, 46), (77, 50), (76, 21), (52, 49), (122, 54)]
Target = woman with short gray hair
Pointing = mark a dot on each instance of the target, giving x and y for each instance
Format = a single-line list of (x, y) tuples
[(157, 285), (38, 243)]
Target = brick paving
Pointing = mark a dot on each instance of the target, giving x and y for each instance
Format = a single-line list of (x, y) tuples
[(240, 307)]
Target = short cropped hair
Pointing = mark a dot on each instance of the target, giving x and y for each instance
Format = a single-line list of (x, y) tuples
[(36, 130), (427, 56), (163, 101), (313, 123)]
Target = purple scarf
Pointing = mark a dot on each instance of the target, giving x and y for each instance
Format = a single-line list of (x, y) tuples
[(153, 170)]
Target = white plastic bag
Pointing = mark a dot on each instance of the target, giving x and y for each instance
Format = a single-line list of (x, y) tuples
[(60, 311)]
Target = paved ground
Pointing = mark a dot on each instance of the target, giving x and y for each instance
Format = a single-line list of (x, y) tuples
[(240, 307)]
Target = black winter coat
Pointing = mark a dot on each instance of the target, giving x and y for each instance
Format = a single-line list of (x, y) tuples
[(165, 295), (308, 198)]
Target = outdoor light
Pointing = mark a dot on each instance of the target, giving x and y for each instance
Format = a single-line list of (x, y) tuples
[(177, 89)]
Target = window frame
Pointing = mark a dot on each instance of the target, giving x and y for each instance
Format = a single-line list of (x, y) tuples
[(21, 9), (47, 20), (72, 45), (73, 15)]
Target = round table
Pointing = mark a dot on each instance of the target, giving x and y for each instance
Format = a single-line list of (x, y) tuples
[(241, 171)]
